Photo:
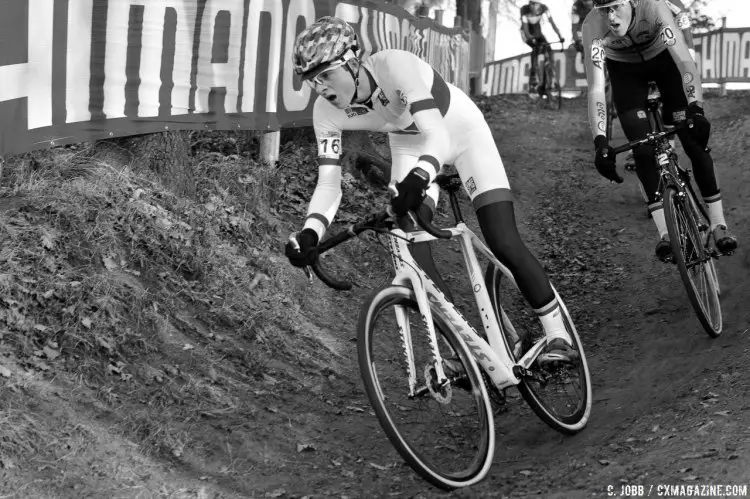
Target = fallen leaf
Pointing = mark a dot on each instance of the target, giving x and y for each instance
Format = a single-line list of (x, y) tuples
[(706, 426), (47, 241), (276, 493), (109, 263), (355, 409), (689, 478), (104, 343), (605, 462), (188, 346), (51, 353), (379, 467), (525, 472), (722, 413), (5, 372), (305, 447), (86, 322)]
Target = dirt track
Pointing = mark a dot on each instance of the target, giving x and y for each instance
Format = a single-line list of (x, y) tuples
[(670, 404), (272, 405)]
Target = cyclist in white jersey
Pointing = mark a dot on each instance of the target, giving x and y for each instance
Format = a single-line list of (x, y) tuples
[(430, 123), (639, 42)]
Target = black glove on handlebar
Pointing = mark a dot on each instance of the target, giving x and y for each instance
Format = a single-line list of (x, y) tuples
[(411, 191), (307, 254), (698, 126), (605, 159)]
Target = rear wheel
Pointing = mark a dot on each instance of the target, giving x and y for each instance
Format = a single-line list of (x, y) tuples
[(559, 392), (688, 235), (444, 430)]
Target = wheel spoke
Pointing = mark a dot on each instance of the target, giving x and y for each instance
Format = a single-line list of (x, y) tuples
[(444, 430), (693, 258)]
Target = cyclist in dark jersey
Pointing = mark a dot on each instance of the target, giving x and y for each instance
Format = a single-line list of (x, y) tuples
[(533, 15), (640, 41), (578, 13)]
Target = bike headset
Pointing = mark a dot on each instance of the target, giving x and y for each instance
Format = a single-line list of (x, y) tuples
[(328, 42)]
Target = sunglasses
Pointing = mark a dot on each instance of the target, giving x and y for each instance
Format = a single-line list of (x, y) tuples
[(324, 76)]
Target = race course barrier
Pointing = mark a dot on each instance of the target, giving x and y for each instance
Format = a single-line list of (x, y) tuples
[(81, 70), (723, 56)]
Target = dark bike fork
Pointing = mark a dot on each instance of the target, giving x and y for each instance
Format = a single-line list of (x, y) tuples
[(672, 174)]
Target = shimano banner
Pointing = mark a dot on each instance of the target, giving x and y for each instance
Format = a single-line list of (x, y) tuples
[(79, 70), (723, 56)]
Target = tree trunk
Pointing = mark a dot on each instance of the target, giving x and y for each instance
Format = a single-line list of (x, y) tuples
[(166, 154)]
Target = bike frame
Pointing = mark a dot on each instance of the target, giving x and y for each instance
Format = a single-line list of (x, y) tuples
[(491, 355), (670, 171)]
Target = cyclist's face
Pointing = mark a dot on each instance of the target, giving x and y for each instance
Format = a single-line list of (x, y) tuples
[(335, 85), (619, 17)]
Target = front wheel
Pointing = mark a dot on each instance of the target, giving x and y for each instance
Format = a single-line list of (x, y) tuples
[(559, 392), (690, 252), (554, 91), (443, 429)]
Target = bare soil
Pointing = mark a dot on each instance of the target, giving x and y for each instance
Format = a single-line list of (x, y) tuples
[(210, 411)]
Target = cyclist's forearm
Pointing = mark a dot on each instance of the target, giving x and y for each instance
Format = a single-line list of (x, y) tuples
[(554, 26), (597, 111), (437, 140), (325, 199)]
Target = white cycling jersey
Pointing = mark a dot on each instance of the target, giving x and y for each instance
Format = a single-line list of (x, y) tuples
[(430, 123)]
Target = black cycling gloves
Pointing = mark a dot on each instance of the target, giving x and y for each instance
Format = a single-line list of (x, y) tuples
[(411, 191), (605, 159), (305, 251), (698, 126)]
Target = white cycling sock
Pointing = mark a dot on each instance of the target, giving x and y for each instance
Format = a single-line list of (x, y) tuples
[(551, 318), (657, 213), (716, 213)]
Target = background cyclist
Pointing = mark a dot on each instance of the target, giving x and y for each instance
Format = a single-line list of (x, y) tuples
[(639, 42), (430, 123), (533, 15), (578, 13)]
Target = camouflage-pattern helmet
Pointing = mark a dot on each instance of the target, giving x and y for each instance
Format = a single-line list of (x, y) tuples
[(324, 41), (600, 4)]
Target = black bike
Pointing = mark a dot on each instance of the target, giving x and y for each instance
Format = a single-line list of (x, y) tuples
[(693, 247), (550, 91)]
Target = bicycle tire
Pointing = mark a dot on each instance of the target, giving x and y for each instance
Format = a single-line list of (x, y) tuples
[(693, 259), (554, 91), (424, 449), (531, 389)]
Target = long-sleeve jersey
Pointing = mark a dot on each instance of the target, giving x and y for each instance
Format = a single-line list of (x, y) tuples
[(682, 19), (578, 14), (409, 97), (652, 30)]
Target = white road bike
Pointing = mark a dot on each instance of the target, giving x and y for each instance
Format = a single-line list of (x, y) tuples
[(432, 379)]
